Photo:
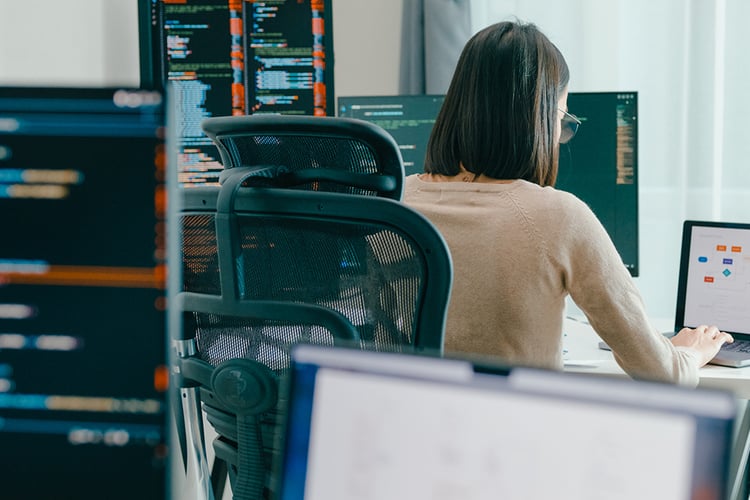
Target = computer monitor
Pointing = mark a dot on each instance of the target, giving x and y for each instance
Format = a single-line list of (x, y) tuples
[(364, 424), (600, 165), (408, 118), (83, 361), (235, 57)]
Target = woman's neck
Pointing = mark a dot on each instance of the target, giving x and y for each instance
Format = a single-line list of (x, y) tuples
[(463, 176)]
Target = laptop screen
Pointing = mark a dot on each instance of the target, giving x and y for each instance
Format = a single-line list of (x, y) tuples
[(383, 426), (714, 284)]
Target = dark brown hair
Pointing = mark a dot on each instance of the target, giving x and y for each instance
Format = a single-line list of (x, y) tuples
[(500, 113)]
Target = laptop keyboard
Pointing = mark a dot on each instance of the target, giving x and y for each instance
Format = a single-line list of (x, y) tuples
[(737, 346)]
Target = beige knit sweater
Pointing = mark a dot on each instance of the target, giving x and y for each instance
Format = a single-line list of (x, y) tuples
[(518, 250)]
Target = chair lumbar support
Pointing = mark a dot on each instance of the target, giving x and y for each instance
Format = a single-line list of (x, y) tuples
[(248, 389)]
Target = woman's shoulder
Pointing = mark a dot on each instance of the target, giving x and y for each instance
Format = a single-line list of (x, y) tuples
[(552, 197), (528, 194), (553, 208)]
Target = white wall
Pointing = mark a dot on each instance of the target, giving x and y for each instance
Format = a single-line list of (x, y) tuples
[(367, 46), (70, 42)]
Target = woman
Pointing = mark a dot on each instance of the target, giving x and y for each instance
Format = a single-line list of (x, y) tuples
[(520, 246)]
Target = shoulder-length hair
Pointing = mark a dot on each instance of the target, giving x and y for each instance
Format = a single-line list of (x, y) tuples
[(500, 115)]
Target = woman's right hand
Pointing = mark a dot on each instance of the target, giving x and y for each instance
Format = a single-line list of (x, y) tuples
[(706, 340)]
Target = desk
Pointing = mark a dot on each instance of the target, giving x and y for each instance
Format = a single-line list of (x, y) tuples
[(582, 355)]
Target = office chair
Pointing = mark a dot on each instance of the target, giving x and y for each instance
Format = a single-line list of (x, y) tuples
[(271, 259)]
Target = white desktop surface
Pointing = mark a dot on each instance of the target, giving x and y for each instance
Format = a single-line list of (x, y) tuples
[(583, 355)]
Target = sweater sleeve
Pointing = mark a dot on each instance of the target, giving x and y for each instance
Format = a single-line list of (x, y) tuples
[(601, 286)]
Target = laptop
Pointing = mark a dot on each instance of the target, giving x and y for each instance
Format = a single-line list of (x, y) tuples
[(714, 285), (364, 424)]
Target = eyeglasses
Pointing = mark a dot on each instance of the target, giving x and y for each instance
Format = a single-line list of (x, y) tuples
[(569, 126)]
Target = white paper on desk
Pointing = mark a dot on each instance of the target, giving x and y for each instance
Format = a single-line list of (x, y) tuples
[(417, 440)]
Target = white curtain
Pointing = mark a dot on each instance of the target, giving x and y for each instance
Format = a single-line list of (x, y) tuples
[(433, 33), (689, 61)]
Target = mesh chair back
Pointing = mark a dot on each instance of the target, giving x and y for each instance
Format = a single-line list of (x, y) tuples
[(314, 153), (371, 273), (200, 255), (363, 257)]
